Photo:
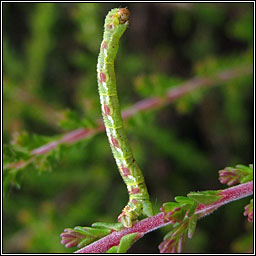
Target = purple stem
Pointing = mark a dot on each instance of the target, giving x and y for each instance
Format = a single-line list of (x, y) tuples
[(142, 105), (149, 224)]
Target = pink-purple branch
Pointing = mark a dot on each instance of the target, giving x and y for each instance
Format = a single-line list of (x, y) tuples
[(149, 224), (142, 105)]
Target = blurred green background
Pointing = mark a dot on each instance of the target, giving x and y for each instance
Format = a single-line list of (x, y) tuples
[(49, 87)]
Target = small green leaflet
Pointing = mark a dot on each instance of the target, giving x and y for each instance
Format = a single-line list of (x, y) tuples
[(234, 175), (247, 171), (81, 236), (183, 219), (125, 243), (95, 232), (184, 200), (205, 197), (111, 226), (192, 225)]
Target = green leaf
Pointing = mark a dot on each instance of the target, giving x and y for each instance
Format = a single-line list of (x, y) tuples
[(95, 232), (205, 197), (112, 226), (85, 242), (169, 206), (174, 212), (127, 241), (179, 230), (192, 209), (177, 211), (247, 173), (173, 227), (246, 179), (113, 249), (192, 225), (184, 200)]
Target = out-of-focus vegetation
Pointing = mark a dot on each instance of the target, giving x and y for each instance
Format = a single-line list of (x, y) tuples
[(49, 87)]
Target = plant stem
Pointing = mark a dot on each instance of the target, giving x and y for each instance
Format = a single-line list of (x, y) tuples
[(142, 105), (149, 224)]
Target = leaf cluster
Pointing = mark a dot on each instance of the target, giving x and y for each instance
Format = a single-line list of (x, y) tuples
[(181, 214), (234, 175), (81, 236)]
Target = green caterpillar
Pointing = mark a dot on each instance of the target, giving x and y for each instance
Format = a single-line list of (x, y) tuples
[(116, 23)]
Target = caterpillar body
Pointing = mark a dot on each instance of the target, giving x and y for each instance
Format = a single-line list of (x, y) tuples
[(116, 23)]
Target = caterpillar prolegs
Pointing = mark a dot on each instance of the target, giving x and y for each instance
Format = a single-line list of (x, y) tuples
[(116, 23)]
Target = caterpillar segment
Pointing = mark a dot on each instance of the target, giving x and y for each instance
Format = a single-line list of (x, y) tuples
[(116, 23)]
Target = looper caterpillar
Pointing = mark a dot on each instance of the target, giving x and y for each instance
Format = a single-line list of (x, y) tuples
[(116, 23)]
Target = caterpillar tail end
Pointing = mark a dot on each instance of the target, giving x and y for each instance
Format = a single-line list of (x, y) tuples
[(133, 210)]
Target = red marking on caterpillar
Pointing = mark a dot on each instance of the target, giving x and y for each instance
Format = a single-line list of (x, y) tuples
[(102, 77), (110, 26), (134, 201), (106, 110), (104, 45), (127, 208), (125, 171), (114, 142), (135, 191)]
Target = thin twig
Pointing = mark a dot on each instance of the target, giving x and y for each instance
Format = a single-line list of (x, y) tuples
[(149, 224), (142, 105)]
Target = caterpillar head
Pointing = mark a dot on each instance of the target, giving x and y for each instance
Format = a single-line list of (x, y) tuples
[(117, 16), (124, 15)]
